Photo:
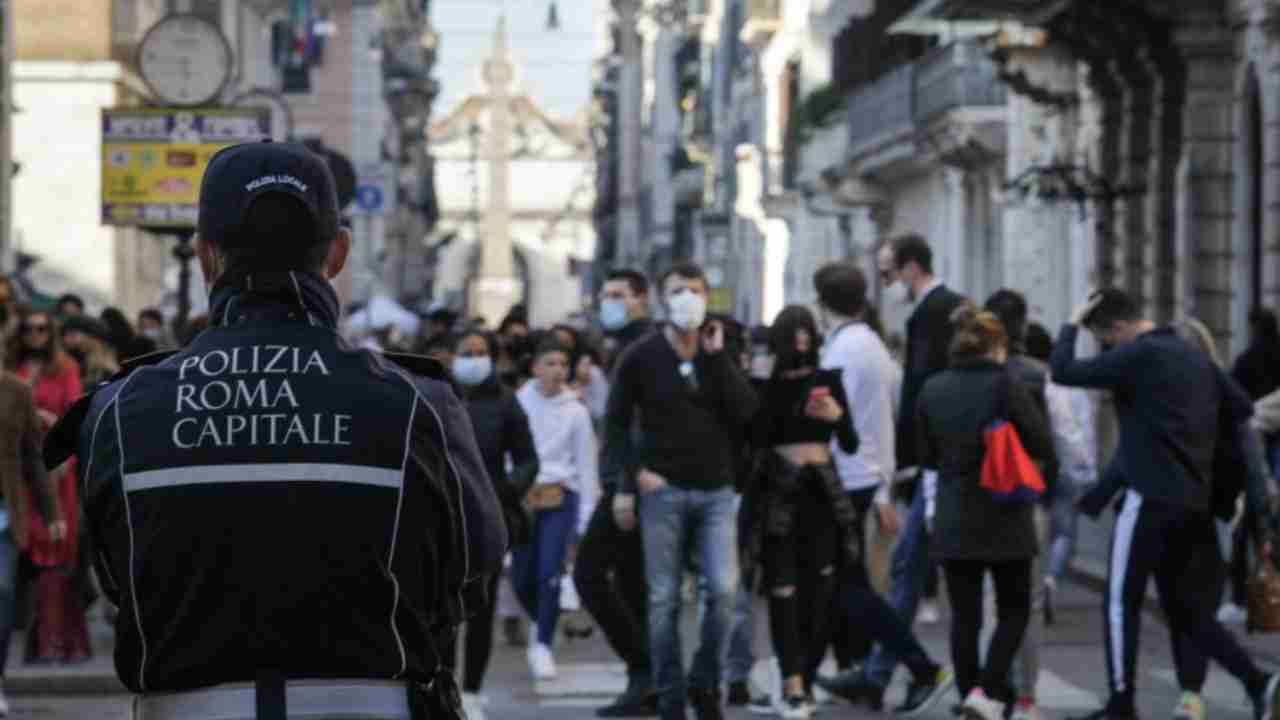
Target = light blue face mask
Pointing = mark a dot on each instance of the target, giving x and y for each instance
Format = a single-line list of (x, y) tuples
[(613, 314), (472, 370)]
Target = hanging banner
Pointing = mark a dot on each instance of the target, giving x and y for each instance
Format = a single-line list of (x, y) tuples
[(153, 159)]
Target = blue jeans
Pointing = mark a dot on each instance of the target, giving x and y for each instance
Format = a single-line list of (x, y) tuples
[(672, 518), (536, 568), (907, 572), (742, 638), (1062, 528)]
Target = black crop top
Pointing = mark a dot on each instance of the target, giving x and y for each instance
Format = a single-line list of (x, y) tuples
[(781, 419)]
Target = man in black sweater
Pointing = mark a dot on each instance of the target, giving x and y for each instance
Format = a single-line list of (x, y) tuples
[(692, 400), (1168, 402), (609, 572)]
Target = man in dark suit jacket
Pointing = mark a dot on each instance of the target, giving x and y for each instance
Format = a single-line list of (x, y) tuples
[(928, 333), (928, 337)]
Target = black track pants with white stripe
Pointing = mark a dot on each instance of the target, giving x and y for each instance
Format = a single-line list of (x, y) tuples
[(1169, 543)]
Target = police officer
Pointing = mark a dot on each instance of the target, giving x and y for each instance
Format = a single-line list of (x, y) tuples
[(289, 526)]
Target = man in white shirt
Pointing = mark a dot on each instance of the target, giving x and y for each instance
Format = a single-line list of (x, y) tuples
[(868, 374)]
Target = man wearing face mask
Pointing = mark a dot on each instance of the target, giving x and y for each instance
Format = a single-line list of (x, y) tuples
[(609, 571), (928, 337), (692, 401)]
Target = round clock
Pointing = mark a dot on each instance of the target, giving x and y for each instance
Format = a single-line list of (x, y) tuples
[(185, 60)]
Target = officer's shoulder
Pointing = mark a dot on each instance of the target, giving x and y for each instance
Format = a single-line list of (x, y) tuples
[(60, 441), (418, 365)]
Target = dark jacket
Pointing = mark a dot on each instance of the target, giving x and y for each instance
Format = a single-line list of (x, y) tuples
[(773, 487), (688, 435), (1034, 376), (929, 332), (1258, 370), (502, 430), (955, 408), (272, 499), (1167, 400), (626, 336)]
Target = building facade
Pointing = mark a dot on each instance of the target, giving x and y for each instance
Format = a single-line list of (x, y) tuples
[(362, 94)]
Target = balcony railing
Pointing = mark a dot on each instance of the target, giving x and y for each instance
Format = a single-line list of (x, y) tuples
[(954, 76)]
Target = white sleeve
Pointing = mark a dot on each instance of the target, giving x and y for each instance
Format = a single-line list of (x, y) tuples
[(586, 461), (869, 388), (1071, 423)]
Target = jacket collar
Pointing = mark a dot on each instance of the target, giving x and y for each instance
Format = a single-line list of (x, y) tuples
[(239, 296)]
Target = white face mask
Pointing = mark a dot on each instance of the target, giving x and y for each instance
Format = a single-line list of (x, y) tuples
[(472, 370), (613, 314), (897, 294), (687, 310)]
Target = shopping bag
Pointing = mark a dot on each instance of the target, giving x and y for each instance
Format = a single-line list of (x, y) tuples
[(1264, 599)]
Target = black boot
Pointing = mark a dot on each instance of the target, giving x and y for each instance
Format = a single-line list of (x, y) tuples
[(706, 703), (854, 687), (639, 700)]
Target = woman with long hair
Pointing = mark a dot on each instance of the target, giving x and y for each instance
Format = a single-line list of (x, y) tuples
[(798, 522), (976, 533), (60, 633)]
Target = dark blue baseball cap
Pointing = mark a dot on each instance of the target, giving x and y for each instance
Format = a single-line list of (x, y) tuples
[(240, 174)]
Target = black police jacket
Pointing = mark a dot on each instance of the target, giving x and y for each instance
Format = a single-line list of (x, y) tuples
[(271, 500)]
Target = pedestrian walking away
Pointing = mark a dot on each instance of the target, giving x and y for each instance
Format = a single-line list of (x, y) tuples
[(1168, 400), (976, 533), (928, 336), (868, 379), (289, 479), (692, 401)]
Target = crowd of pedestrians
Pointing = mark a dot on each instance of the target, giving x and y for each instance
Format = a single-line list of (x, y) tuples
[(651, 463), (642, 464), (52, 354)]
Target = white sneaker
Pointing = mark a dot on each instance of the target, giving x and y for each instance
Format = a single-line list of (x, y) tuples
[(928, 613), (796, 708), (473, 706), (1232, 614), (980, 707), (541, 663), (1190, 707), (4, 704)]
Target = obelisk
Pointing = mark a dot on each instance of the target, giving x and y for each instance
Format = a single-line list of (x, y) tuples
[(496, 287)]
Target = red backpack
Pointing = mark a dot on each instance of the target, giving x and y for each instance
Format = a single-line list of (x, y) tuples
[(1008, 472)]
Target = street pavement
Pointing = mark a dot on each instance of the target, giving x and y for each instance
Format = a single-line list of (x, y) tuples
[(1072, 681)]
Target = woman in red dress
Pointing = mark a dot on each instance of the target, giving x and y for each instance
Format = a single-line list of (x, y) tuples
[(59, 632)]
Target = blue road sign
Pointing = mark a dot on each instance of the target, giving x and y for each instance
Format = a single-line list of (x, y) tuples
[(370, 198)]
